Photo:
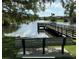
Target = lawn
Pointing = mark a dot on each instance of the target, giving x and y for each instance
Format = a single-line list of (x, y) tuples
[(60, 20), (71, 49)]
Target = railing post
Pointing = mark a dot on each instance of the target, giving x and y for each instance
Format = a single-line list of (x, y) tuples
[(44, 27), (64, 42), (61, 30), (66, 31), (23, 45), (38, 27), (58, 29), (72, 33), (55, 27), (43, 45)]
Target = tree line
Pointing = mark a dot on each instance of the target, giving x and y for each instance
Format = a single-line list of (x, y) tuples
[(16, 11)]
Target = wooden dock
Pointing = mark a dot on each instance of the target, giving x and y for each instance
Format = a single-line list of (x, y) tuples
[(69, 31), (58, 35)]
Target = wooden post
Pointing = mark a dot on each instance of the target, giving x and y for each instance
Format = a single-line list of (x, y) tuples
[(23, 45), (66, 31), (72, 33), (38, 27), (64, 41), (58, 29), (44, 27), (61, 30), (43, 45), (55, 27)]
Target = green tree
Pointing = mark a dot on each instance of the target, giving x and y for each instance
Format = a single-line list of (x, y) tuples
[(70, 7), (16, 9)]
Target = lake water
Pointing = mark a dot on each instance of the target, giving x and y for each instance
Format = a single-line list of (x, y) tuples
[(30, 30)]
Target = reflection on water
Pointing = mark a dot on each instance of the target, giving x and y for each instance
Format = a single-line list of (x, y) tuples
[(9, 49), (28, 30), (8, 29)]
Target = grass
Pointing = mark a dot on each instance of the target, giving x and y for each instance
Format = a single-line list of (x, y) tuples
[(59, 20), (71, 49), (9, 50)]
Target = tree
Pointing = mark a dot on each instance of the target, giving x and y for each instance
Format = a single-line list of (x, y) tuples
[(16, 8), (52, 17), (70, 7)]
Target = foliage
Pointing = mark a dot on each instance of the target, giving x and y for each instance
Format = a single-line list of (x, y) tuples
[(9, 51), (14, 10), (70, 10), (13, 13)]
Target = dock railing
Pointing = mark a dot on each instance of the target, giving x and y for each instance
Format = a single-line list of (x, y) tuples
[(69, 30)]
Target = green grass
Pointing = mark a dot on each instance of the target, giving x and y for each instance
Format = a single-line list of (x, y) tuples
[(71, 49), (59, 20)]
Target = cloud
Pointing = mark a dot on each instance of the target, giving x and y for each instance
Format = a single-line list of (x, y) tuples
[(57, 5), (48, 4), (55, 8)]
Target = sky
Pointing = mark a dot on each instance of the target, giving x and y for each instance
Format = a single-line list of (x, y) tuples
[(55, 8)]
